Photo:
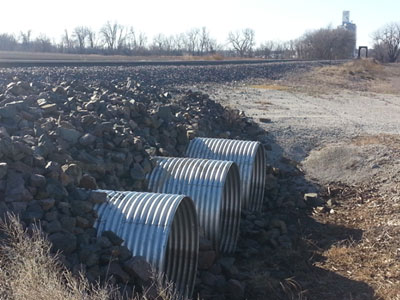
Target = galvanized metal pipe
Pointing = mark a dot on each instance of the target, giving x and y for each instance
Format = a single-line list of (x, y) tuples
[(213, 185), (161, 227), (248, 155)]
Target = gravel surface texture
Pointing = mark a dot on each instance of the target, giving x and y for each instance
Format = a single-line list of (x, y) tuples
[(300, 125)]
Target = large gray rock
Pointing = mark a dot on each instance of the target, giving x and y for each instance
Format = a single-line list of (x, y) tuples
[(70, 135), (38, 180), (15, 188), (139, 268), (63, 241), (87, 139)]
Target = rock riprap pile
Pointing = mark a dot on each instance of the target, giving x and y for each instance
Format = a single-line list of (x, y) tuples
[(157, 75), (60, 140)]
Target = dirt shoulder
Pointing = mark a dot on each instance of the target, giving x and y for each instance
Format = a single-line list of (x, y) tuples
[(334, 130)]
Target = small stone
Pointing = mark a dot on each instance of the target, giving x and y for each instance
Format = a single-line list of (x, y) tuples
[(59, 90), (37, 180), (235, 289), (51, 215), (33, 212), (164, 112), (137, 172), (68, 223), (68, 134), (104, 242), (47, 204), (116, 271), (53, 169), (82, 222), (89, 254), (65, 242), (97, 197), (64, 207), (208, 278), (55, 189), (53, 226), (87, 139), (260, 223), (191, 134), (49, 108), (206, 259), (15, 188), (88, 182), (80, 208), (279, 224), (265, 120), (19, 207), (73, 171), (3, 209), (3, 170), (138, 267), (312, 199), (226, 264), (115, 239)]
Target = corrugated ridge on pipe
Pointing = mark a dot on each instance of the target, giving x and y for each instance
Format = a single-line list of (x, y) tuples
[(248, 155), (213, 185), (162, 228)]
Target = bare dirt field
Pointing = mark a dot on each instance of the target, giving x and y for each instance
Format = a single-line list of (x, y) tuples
[(336, 131)]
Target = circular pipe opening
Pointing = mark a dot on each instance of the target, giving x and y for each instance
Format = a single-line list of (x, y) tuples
[(182, 249), (214, 186), (257, 182), (230, 211), (163, 228)]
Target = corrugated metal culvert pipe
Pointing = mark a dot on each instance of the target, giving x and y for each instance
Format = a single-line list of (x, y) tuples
[(213, 185), (248, 155), (163, 228)]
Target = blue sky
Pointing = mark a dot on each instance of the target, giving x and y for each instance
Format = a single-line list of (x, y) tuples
[(271, 20)]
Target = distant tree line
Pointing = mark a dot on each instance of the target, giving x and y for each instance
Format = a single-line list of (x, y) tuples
[(387, 43), (114, 38)]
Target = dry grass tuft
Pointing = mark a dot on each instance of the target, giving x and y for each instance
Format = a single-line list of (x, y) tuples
[(29, 271), (364, 75), (361, 69)]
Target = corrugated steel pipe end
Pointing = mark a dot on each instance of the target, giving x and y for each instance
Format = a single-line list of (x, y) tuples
[(230, 211), (248, 155), (257, 186), (214, 186), (163, 228)]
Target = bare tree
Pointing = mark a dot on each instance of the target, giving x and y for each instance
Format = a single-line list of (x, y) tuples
[(266, 49), (92, 39), (113, 35), (204, 41), (179, 42), (81, 33), (42, 44), (387, 42), (242, 41), (163, 44), (67, 43), (25, 38), (326, 43), (191, 40), (158, 43), (8, 41)]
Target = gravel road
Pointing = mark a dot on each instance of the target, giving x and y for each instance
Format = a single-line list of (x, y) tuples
[(301, 127)]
